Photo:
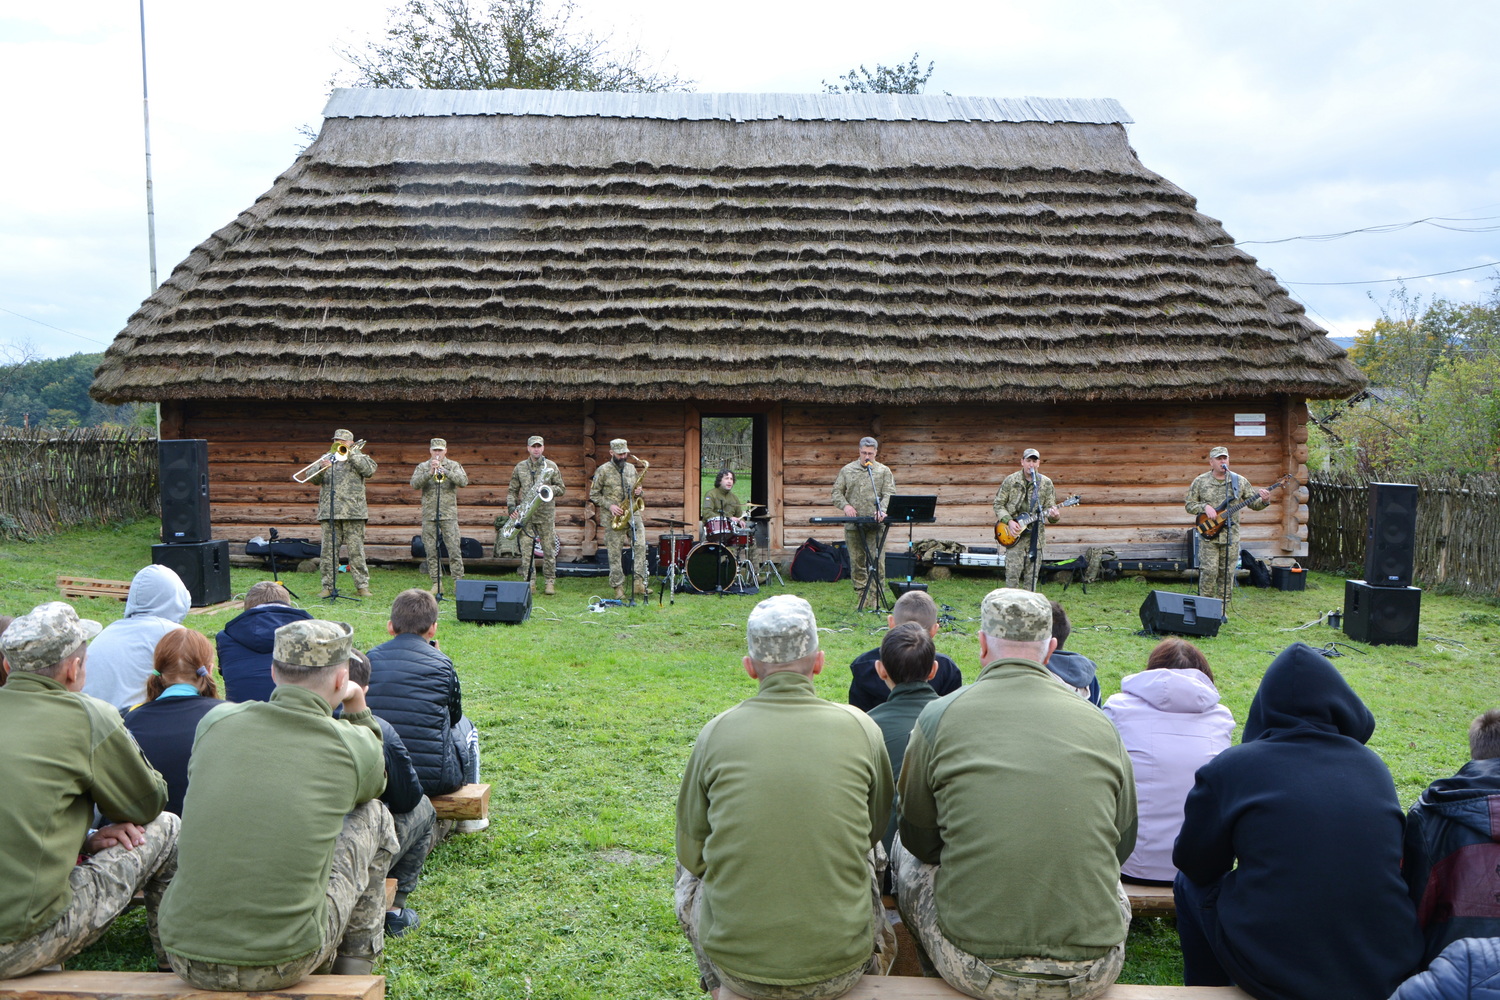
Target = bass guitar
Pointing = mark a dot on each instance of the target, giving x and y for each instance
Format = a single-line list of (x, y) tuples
[(1002, 528), (1209, 527)]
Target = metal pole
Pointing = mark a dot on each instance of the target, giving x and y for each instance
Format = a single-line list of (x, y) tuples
[(150, 196)]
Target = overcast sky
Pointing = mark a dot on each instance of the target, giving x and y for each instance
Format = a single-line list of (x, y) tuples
[(1284, 119)]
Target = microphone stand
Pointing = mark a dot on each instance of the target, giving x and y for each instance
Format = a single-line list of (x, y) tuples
[(1034, 528), (872, 562), (437, 536), (274, 577), (1225, 580), (333, 530)]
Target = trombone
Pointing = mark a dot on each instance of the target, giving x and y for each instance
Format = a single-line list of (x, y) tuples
[(340, 452)]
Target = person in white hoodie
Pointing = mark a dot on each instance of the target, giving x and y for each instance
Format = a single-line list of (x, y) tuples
[(120, 658), (1171, 722)]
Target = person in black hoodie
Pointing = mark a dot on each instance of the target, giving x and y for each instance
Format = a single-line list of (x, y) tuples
[(245, 642), (1451, 860), (1289, 859), (179, 692)]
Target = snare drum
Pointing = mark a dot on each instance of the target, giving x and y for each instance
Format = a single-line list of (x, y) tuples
[(710, 567), (718, 529), (673, 549), (739, 539)]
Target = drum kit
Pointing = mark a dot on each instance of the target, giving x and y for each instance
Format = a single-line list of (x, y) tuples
[(716, 565)]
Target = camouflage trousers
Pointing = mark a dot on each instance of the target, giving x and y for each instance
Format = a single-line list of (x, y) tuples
[(616, 541), (351, 535), (1021, 978), (448, 526), (356, 911), (542, 530), (883, 953), (863, 541), (1018, 562), (416, 833), (102, 888), (1217, 565)]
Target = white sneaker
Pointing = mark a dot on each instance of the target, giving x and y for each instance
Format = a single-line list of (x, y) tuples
[(470, 825)]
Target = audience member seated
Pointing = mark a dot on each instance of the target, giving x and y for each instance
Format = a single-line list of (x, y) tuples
[(1468, 969), (1289, 860), (5, 621), (1074, 669), (285, 845), (62, 755), (866, 689), (245, 641), (1452, 855), (415, 688), (907, 662), (120, 659), (1017, 806), (179, 693), (1171, 722), (782, 801), (412, 812)]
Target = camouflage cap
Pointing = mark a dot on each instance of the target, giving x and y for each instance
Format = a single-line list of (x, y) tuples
[(1016, 615), (437, 443), (1031, 453), (618, 446), (1220, 452), (534, 439), (343, 435), (39, 640), (781, 629), (313, 643)]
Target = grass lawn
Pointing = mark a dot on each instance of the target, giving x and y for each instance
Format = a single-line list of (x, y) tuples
[(587, 718)]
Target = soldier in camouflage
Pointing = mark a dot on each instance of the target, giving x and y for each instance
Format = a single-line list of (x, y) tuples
[(612, 492), (439, 479), (1025, 492), (342, 511), (862, 489), (535, 471), (1210, 493), (721, 501)]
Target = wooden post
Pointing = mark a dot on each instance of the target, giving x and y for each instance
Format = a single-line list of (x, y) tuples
[(692, 461), (590, 463), (775, 489)]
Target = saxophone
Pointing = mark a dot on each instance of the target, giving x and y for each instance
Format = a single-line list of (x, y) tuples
[(633, 505), (537, 492)]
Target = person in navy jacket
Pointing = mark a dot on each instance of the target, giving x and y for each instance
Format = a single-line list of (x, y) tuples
[(245, 642)]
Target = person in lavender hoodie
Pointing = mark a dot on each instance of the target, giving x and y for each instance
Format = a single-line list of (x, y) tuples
[(1171, 722)]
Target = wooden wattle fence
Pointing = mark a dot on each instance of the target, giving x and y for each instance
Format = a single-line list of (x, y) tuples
[(1458, 529), (52, 479)]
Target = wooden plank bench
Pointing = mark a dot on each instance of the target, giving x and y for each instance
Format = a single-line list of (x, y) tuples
[(1151, 900), (914, 988), (166, 986), (468, 802)]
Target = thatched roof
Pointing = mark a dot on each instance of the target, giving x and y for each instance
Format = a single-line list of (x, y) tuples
[(823, 247)]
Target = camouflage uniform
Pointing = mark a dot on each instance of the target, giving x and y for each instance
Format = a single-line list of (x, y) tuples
[(615, 484), (440, 514), (719, 502), (542, 524), (1015, 497), (342, 510), (1218, 557), (853, 488)]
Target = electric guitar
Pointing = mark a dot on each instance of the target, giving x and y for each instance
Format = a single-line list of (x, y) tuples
[(1210, 527), (1002, 528)]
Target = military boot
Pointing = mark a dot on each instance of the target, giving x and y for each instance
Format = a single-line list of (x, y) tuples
[(619, 593), (551, 588)]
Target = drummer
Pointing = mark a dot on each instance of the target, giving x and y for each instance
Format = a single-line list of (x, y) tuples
[(721, 502)]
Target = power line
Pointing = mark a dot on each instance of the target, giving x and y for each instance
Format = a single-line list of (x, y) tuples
[(1387, 281), (49, 326), (1435, 221)]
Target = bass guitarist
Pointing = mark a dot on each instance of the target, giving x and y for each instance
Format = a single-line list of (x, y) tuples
[(1026, 491), (1212, 492)]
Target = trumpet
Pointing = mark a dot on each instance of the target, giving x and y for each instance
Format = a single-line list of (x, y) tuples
[(340, 452)]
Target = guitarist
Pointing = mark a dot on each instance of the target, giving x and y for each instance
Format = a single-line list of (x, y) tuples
[(1027, 491), (1218, 557)]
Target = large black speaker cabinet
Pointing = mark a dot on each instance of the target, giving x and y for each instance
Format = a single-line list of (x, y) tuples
[(506, 601), (183, 475), (1381, 616), (1391, 535), (1168, 612), (203, 566)]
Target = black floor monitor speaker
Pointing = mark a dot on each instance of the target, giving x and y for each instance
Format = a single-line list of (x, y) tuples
[(183, 476), (1381, 616), (203, 567), (506, 601), (1169, 613), (1391, 535)]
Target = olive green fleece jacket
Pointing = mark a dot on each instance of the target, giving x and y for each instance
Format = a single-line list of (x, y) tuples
[(1023, 793), (269, 784), (783, 797), (61, 754)]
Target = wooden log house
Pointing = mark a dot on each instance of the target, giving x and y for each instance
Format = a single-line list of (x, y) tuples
[(960, 277)]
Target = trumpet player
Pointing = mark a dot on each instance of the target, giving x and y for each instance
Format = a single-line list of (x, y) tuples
[(613, 492), (540, 523), (341, 479), (439, 479)]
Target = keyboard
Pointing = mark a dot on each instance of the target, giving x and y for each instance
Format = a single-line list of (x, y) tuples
[(842, 520)]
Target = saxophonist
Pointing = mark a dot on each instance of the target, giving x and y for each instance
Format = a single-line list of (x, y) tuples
[(439, 479), (613, 491), (531, 474)]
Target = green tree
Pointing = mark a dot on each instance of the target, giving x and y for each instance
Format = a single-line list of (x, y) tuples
[(521, 44), (902, 78)]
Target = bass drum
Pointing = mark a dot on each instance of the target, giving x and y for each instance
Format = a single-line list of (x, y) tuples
[(710, 568)]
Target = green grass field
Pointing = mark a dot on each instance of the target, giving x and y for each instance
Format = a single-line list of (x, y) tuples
[(587, 718)]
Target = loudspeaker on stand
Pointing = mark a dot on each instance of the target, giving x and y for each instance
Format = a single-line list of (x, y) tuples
[(182, 474)]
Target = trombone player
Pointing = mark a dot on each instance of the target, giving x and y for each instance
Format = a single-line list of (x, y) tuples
[(536, 475), (614, 490), (341, 479), (439, 479)]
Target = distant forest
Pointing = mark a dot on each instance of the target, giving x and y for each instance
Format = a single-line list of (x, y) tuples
[(54, 392)]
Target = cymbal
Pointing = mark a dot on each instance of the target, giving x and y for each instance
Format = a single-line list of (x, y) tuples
[(670, 520), (749, 506)]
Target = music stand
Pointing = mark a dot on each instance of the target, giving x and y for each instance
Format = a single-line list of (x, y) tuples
[(911, 510)]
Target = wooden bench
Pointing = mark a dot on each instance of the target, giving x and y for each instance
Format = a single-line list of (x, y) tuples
[(1151, 900), (165, 985), (913, 988), (468, 802)]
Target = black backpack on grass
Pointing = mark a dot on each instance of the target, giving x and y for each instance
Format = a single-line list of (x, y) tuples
[(820, 562)]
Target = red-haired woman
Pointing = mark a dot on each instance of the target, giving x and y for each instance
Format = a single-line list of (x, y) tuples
[(179, 692)]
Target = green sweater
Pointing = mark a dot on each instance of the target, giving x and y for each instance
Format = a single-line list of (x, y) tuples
[(61, 754), (783, 796), (269, 784), (1023, 793)]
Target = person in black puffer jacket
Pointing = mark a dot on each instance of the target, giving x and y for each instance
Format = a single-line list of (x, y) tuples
[(415, 688), (245, 641)]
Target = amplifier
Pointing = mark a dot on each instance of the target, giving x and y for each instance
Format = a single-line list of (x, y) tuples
[(506, 601), (1171, 613)]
